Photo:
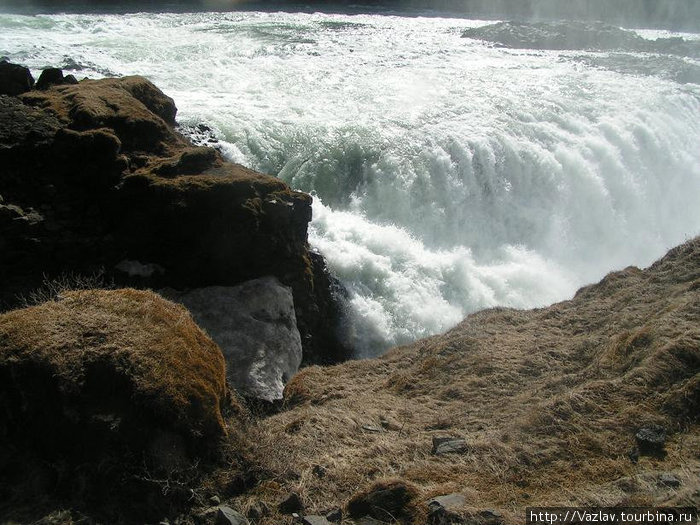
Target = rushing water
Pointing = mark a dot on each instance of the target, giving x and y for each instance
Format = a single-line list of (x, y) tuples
[(449, 175)]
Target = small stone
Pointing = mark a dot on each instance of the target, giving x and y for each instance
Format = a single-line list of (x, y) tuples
[(445, 509), (258, 510), (651, 440), (315, 520), (291, 504), (669, 480), (490, 517), (371, 428), (449, 445), (634, 455), (215, 500), (389, 423), (228, 516), (448, 501), (336, 516)]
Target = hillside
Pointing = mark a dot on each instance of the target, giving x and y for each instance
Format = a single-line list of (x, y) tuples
[(548, 402)]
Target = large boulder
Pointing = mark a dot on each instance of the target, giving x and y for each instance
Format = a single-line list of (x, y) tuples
[(220, 229), (98, 371), (51, 76), (254, 324), (109, 399), (14, 79)]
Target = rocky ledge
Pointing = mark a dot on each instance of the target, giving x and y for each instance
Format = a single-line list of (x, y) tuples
[(571, 35), (96, 179)]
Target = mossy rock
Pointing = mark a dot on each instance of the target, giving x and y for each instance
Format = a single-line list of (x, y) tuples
[(117, 384)]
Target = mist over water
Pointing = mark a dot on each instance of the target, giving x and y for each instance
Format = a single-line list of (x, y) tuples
[(449, 175)]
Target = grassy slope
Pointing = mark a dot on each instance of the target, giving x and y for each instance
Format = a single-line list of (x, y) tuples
[(548, 400)]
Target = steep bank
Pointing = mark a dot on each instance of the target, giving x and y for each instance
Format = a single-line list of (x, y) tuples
[(96, 177), (547, 401)]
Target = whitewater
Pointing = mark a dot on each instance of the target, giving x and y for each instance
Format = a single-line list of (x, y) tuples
[(448, 174)]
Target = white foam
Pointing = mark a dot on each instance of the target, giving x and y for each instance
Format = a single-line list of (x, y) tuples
[(400, 289)]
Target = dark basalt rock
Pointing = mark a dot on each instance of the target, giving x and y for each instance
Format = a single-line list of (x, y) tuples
[(14, 79), (669, 480), (651, 440), (101, 176), (335, 516), (52, 76), (449, 445), (291, 504), (324, 322)]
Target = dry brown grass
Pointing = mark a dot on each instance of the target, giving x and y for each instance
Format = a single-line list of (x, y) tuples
[(548, 401)]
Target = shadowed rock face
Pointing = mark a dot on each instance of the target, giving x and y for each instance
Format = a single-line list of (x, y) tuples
[(14, 79), (94, 174)]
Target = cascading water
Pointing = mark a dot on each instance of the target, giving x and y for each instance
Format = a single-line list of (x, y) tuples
[(449, 175)]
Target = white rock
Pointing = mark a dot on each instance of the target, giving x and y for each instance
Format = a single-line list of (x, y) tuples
[(255, 326)]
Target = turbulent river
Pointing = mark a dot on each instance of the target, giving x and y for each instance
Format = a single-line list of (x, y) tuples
[(449, 174)]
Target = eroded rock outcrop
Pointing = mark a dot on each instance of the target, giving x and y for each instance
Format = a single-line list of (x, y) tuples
[(95, 173)]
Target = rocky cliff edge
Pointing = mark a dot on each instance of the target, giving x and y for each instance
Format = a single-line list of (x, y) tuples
[(96, 178)]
